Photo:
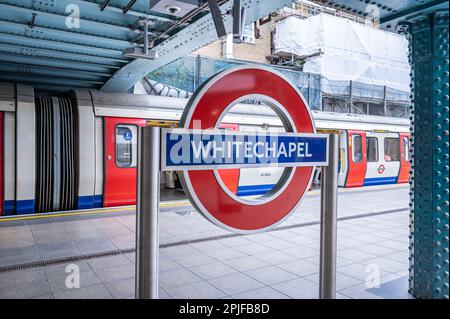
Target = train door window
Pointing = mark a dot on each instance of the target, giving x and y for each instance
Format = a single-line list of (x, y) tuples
[(126, 147), (372, 149), (391, 150), (406, 149), (357, 149)]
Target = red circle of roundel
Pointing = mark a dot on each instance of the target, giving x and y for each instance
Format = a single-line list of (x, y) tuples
[(206, 106)]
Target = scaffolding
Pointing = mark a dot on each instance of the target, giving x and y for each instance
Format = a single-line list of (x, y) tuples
[(188, 73)]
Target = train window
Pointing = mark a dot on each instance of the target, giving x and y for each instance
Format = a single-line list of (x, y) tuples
[(126, 147), (357, 149), (406, 149), (372, 149), (391, 150)]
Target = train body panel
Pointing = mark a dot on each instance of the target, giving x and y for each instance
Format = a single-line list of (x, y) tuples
[(357, 158), (80, 151), (9, 165), (120, 140), (383, 161), (405, 165), (25, 150), (87, 152), (99, 163)]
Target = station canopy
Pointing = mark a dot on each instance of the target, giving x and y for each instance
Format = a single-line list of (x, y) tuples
[(62, 44)]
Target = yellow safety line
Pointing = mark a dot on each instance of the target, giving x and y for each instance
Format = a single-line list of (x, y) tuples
[(163, 204), (88, 212)]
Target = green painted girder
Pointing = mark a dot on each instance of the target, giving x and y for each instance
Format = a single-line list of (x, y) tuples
[(389, 13), (429, 249)]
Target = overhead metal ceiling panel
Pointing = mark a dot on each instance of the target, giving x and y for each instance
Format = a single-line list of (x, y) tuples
[(42, 42), (42, 45)]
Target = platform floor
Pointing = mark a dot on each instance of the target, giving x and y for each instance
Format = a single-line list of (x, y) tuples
[(200, 260)]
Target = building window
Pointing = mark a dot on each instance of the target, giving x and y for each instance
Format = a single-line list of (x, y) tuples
[(248, 34), (372, 149), (391, 150), (126, 147), (357, 149)]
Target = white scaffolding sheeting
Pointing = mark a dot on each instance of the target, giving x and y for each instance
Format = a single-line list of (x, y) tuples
[(343, 50)]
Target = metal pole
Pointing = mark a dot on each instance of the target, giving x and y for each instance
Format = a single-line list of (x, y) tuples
[(328, 216), (147, 237)]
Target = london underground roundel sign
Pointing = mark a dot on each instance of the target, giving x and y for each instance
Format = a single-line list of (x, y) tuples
[(298, 150)]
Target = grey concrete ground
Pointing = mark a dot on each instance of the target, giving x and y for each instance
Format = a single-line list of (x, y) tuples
[(372, 254)]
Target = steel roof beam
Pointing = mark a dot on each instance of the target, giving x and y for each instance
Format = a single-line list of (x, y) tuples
[(23, 50), (104, 4), (49, 80), (55, 87), (140, 9), (59, 22), (59, 46), (191, 38), (88, 11), (38, 61), (390, 21), (128, 6), (19, 69), (62, 36)]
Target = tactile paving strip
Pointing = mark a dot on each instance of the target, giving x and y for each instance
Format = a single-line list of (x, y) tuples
[(43, 263)]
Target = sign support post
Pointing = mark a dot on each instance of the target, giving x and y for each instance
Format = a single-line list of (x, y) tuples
[(328, 221), (147, 228), (198, 152)]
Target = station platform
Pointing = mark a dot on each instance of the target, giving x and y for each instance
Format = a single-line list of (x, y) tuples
[(200, 260)]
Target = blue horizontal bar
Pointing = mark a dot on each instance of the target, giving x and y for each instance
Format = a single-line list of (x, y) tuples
[(85, 202), (9, 207), (251, 190), (188, 149), (380, 181), (25, 206)]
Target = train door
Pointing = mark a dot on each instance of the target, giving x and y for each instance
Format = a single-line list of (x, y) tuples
[(391, 158), (120, 160), (357, 158), (375, 168), (386, 169), (405, 165)]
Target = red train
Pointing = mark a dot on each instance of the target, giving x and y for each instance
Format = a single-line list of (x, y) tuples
[(78, 151)]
